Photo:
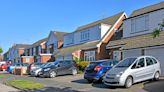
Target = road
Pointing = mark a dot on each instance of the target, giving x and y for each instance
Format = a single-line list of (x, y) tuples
[(69, 83)]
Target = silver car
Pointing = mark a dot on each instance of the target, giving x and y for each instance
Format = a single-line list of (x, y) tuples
[(36, 72), (132, 70)]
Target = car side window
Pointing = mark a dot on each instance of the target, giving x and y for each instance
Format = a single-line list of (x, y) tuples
[(134, 65), (141, 63), (105, 64), (149, 61), (155, 61)]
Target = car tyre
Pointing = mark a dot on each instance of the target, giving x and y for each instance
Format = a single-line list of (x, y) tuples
[(128, 82), (156, 76), (74, 71), (52, 74)]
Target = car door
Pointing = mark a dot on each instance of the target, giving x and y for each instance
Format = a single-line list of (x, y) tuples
[(150, 69), (67, 67), (59, 68), (138, 70)]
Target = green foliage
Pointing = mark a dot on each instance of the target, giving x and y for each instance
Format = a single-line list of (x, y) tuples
[(157, 31), (1, 50), (83, 64), (77, 60)]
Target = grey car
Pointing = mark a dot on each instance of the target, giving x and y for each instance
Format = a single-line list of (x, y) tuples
[(132, 70), (36, 72), (60, 67)]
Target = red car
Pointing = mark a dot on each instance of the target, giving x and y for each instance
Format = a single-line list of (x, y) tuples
[(3, 67)]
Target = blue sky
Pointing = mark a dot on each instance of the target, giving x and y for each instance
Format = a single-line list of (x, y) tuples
[(26, 21)]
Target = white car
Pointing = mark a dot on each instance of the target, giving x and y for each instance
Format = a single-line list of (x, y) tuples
[(132, 70)]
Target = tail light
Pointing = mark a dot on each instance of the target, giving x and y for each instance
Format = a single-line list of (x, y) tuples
[(98, 68)]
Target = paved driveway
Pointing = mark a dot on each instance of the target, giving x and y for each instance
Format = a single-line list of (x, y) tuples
[(76, 83)]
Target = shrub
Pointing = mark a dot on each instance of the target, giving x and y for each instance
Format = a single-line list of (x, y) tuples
[(82, 65)]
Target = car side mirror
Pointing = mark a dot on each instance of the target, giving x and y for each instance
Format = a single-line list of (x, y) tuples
[(58, 65)]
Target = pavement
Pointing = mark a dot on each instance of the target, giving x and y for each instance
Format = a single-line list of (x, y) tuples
[(69, 83), (4, 88)]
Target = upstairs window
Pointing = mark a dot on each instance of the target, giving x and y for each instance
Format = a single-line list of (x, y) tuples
[(140, 24), (69, 39), (85, 35)]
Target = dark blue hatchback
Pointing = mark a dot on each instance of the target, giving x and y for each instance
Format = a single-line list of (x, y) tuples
[(97, 69)]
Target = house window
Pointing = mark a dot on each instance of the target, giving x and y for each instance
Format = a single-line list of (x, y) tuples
[(140, 23), (55, 45), (51, 48), (85, 35), (69, 39), (89, 56)]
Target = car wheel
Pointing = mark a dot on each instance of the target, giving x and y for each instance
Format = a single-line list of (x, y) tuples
[(128, 82), (74, 71), (156, 76), (52, 74)]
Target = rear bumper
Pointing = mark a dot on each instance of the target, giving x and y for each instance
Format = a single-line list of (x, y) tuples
[(92, 76)]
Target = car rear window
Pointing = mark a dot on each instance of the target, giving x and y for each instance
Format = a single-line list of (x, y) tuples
[(93, 64)]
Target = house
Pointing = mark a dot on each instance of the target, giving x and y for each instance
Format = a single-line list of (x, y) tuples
[(16, 51), (89, 42), (55, 41), (6, 56), (36, 52), (137, 37)]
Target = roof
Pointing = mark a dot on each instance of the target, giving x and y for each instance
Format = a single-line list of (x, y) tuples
[(138, 41), (147, 9), (39, 42), (110, 21), (71, 49), (59, 35), (21, 46)]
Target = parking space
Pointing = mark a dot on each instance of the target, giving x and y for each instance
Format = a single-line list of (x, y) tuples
[(77, 83)]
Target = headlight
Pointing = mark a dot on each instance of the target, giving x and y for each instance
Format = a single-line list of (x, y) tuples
[(47, 69), (119, 75)]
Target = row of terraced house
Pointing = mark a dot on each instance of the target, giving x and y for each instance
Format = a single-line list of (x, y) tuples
[(115, 37)]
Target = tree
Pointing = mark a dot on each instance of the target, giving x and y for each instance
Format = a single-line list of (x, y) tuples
[(158, 30), (1, 50)]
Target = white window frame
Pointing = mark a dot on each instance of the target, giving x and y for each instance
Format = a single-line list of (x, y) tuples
[(89, 55), (85, 35), (136, 26)]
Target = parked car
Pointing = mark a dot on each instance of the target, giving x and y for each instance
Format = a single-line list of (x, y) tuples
[(33, 66), (97, 69), (132, 70), (11, 67), (59, 68), (36, 72), (3, 67)]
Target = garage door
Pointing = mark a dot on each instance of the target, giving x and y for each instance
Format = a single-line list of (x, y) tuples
[(159, 54), (131, 53)]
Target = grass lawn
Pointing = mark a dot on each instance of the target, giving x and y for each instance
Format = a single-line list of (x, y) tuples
[(24, 84), (2, 76)]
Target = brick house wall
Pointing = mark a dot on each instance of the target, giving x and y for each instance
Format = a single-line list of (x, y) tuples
[(24, 59), (103, 53), (45, 58)]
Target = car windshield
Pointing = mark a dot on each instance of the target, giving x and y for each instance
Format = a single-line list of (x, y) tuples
[(48, 64), (126, 62)]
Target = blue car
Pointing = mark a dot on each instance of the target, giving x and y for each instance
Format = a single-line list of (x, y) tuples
[(97, 69), (11, 67)]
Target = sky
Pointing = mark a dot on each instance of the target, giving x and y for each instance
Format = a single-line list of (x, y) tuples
[(27, 21)]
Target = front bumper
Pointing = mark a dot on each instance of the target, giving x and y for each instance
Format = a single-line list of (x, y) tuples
[(114, 81), (44, 74)]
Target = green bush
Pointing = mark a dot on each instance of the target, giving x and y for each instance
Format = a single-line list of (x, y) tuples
[(82, 65)]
